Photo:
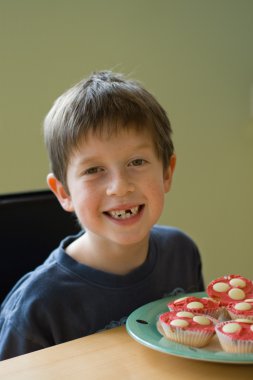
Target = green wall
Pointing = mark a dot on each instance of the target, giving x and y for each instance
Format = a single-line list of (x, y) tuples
[(196, 56)]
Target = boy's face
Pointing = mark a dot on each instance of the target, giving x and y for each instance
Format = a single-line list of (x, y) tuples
[(116, 186)]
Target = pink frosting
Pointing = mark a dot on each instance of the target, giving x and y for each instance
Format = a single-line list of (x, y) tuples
[(192, 325), (224, 297), (246, 313), (209, 305)]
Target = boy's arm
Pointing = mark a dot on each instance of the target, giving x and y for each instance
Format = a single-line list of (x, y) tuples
[(201, 283), (12, 343)]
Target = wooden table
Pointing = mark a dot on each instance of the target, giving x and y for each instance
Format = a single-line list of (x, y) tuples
[(113, 354)]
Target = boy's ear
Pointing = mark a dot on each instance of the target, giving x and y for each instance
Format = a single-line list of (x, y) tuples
[(168, 173), (59, 191)]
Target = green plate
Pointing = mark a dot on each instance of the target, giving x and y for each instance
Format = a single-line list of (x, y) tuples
[(141, 325)]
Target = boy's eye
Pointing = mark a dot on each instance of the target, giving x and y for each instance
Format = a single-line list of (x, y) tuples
[(137, 162), (93, 170)]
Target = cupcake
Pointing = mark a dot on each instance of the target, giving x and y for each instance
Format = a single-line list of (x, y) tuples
[(242, 309), (236, 336), (186, 328), (196, 305), (230, 289)]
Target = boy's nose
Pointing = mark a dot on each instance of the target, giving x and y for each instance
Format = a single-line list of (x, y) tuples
[(119, 185)]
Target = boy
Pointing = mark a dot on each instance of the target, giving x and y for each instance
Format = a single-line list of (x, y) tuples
[(112, 159)]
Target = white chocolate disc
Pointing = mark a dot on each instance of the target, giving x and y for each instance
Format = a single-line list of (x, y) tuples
[(236, 294), (231, 328), (185, 314), (180, 299), (195, 305), (179, 323), (243, 306), (237, 283), (244, 320), (251, 328), (220, 287), (201, 320)]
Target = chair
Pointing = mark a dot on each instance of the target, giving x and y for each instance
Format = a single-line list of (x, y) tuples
[(31, 225)]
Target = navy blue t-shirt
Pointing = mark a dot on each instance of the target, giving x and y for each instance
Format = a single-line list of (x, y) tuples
[(63, 300)]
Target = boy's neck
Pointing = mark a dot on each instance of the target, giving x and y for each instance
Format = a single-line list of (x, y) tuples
[(107, 256)]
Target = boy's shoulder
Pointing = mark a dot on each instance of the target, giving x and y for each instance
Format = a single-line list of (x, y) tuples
[(173, 240), (170, 233)]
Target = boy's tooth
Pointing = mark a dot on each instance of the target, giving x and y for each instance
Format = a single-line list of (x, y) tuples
[(123, 214)]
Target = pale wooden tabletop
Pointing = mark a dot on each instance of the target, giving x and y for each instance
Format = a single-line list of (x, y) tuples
[(113, 354)]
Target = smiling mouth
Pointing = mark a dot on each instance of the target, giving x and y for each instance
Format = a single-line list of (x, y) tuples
[(125, 214)]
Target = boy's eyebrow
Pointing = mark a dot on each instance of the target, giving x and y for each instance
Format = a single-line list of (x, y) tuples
[(87, 159)]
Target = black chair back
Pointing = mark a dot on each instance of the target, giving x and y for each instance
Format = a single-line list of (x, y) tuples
[(31, 225)]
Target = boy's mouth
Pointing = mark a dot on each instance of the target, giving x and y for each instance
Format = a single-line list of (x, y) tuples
[(125, 213)]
